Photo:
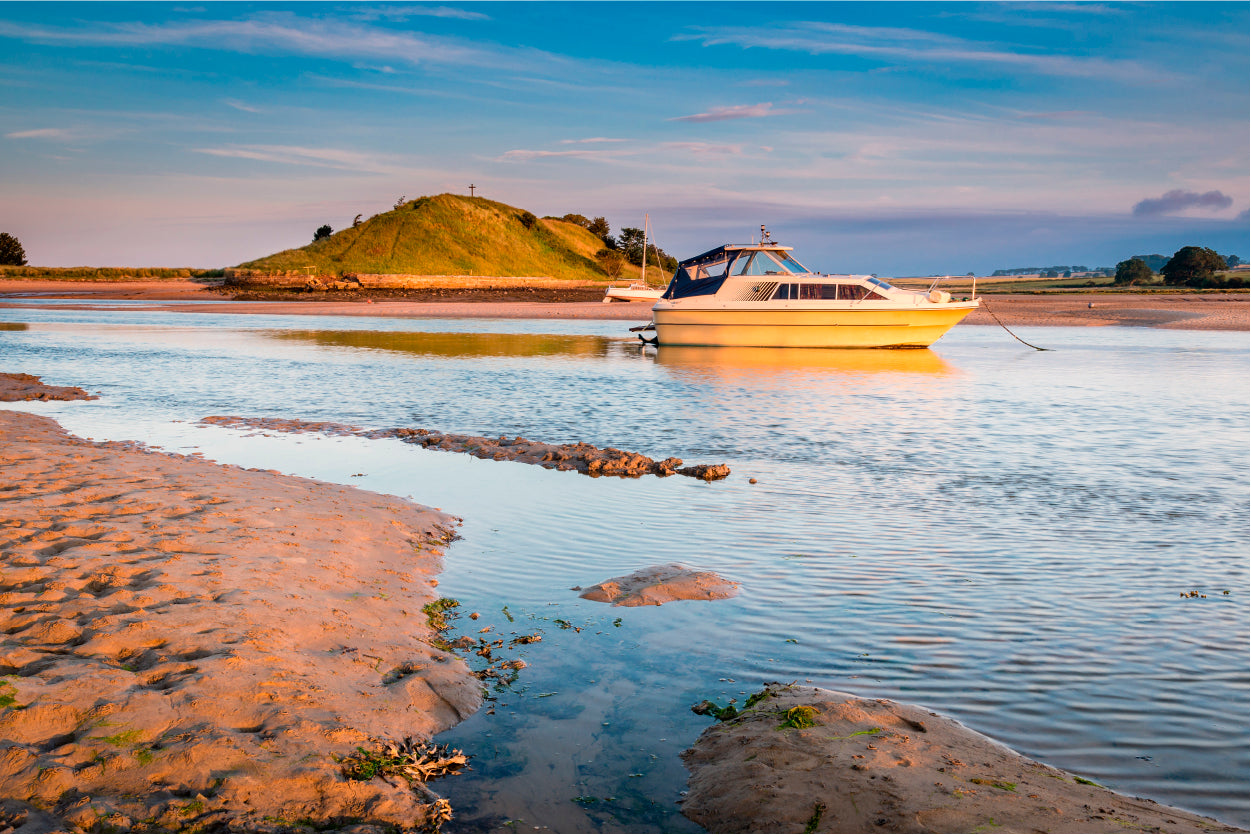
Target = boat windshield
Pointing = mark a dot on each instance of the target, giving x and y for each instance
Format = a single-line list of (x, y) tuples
[(764, 263), (791, 265)]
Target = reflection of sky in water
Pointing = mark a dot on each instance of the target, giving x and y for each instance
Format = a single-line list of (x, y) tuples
[(989, 531)]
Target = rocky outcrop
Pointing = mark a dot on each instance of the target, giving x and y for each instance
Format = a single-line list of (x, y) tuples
[(14, 387), (580, 457), (659, 584)]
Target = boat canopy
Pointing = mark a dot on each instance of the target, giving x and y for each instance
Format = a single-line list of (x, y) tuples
[(704, 274)]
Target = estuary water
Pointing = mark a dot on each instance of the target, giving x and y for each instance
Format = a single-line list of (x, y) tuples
[(1005, 536)]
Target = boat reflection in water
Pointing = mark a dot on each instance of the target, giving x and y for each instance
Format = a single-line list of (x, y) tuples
[(760, 362), (453, 345)]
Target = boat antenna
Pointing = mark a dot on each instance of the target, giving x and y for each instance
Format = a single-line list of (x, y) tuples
[(764, 236)]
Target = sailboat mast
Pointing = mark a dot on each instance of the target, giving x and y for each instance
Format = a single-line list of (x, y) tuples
[(643, 278)]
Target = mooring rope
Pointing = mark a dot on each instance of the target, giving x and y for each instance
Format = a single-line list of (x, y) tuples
[(1005, 327)]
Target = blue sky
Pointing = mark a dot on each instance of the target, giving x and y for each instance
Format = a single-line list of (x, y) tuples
[(895, 138)]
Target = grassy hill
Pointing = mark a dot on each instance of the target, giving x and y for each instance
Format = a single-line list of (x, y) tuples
[(448, 234)]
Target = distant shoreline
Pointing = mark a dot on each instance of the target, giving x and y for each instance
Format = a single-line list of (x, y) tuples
[(1179, 310)]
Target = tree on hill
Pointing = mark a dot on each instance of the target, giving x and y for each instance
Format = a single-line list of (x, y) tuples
[(578, 219), (322, 232), (11, 252), (1133, 271), (599, 226), (631, 243), (1233, 261), (1192, 266)]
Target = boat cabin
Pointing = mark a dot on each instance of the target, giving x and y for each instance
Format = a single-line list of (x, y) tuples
[(783, 278)]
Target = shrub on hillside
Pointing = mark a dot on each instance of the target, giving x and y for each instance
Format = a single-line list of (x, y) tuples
[(611, 262), (322, 232), (528, 219)]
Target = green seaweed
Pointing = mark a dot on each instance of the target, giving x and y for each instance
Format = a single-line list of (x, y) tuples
[(818, 809), (122, 739), (800, 716), (710, 708), (866, 732), (999, 784), (1085, 782), (8, 695), (437, 611), (755, 698)]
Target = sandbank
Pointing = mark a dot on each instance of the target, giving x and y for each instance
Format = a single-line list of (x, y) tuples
[(188, 646), (1182, 310), (802, 759)]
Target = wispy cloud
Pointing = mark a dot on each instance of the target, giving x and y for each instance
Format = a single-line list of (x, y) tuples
[(337, 158), (589, 140), (405, 12), (41, 133), (525, 154), (705, 148), (735, 111), (282, 32), (1177, 200), (915, 46), (238, 105), (656, 153)]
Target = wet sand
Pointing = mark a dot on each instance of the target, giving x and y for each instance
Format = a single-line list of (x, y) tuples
[(185, 645), (1186, 311), (808, 760)]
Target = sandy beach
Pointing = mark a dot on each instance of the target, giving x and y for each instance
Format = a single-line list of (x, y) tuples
[(1186, 311), (190, 646)]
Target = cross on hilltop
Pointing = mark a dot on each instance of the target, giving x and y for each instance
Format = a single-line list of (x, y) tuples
[(471, 188)]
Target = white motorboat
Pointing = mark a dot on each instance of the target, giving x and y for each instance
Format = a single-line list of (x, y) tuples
[(758, 295)]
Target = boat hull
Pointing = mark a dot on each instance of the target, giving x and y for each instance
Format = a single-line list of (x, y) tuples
[(862, 327)]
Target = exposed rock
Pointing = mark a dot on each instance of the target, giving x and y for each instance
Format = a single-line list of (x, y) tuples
[(581, 457), (14, 387), (661, 584)]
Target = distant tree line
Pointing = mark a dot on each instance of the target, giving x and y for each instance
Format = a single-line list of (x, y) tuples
[(1050, 272), (1190, 266)]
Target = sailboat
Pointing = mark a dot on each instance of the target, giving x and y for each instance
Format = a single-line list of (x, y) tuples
[(639, 291)]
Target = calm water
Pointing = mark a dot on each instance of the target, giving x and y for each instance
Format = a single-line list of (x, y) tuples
[(998, 534)]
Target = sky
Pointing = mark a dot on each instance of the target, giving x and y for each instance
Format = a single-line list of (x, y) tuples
[(893, 138)]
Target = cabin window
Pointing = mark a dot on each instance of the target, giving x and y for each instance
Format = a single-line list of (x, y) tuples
[(783, 292)]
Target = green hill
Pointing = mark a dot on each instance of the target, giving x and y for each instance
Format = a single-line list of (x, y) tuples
[(448, 234)]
